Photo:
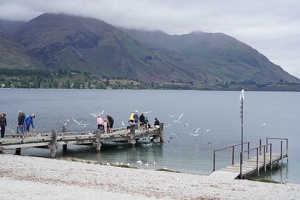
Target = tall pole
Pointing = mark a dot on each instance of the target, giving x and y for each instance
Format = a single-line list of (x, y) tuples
[(242, 96)]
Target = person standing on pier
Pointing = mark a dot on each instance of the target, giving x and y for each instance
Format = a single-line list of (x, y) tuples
[(3, 124), (156, 123), (100, 123), (136, 119), (21, 118), (142, 119), (110, 123), (27, 122)]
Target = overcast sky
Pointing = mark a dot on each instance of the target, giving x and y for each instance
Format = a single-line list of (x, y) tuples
[(270, 26)]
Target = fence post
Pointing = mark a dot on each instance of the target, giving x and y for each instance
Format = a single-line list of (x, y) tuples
[(214, 161), (271, 163), (281, 149), (257, 161), (267, 144), (232, 156), (265, 151), (248, 150), (259, 146)]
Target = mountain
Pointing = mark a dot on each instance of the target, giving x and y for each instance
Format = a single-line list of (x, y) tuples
[(61, 41), (14, 55), (7, 26)]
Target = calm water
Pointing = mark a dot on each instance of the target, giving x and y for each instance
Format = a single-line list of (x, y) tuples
[(216, 113)]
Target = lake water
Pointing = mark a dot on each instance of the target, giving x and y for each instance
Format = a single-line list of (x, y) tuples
[(216, 115)]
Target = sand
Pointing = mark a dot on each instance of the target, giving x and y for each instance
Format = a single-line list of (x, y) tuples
[(44, 178)]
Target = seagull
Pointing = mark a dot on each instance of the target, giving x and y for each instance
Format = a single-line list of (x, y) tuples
[(187, 124), (194, 134), (107, 163), (207, 130), (95, 114), (167, 126), (177, 121), (197, 130), (139, 162), (147, 112), (171, 115), (102, 112), (180, 116), (264, 124), (123, 123), (154, 163)]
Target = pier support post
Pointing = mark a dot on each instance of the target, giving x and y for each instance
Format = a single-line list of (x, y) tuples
[(64, 130), (53, 144), (131, 138), (18, 151), (98, 141), (161, 132)]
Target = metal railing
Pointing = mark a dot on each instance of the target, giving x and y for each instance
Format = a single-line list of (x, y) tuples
[(232, 153), (267, 147)]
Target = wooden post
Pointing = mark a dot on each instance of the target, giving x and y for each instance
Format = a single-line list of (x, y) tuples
[(271, 163), (98, 141), (18, 151), (265, 151), (214, 161), (64, 130), (131, 138), (232, 156), (53, 144), (161, 132), (257, 160)]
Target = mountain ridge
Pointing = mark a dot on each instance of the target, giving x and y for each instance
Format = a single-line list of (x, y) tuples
[(60, 41)]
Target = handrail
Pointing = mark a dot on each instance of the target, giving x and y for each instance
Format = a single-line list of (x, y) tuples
[(232, 154), (230, 146)]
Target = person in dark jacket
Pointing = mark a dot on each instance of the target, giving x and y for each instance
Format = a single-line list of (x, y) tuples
[(142, 119), (156, 123), (21, 118), (110, 123), (3, 124)]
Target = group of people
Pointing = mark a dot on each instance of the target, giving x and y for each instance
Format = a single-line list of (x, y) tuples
[(141, 121), (24, 123), (105, 125)]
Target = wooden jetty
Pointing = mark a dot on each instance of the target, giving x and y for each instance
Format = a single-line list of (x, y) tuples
[(95, 138), (249, 165)]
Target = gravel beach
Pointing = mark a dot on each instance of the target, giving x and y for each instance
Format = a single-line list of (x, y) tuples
[(43, 178)]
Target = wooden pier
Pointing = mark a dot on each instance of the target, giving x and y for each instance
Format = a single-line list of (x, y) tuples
[(249, 165), (95, 138)]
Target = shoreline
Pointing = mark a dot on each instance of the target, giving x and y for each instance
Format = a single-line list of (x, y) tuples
[(44, 178)]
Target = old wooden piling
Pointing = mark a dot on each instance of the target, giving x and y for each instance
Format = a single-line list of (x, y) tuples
[(53, 144)]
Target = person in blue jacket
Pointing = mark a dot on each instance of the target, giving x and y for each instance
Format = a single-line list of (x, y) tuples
[(27, 122)]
